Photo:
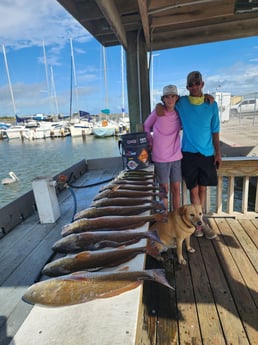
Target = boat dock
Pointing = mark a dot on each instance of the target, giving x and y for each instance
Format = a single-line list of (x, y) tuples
[(214, 302), (215, 299)]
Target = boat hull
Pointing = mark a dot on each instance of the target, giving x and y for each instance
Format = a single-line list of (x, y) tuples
[(80, 130), (18, 132), (107, 131)]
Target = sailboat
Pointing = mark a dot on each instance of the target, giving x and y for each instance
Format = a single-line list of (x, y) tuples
[(15, 131), (9, 79), (81, 126), (105, 128)]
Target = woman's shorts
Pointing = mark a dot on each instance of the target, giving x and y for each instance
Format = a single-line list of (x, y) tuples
[(198, 169), (168, 172)]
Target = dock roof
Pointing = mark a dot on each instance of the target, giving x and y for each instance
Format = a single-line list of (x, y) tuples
[(166, 23)]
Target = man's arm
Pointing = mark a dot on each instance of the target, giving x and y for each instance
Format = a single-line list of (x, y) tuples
[(160, 109), (208, 98)]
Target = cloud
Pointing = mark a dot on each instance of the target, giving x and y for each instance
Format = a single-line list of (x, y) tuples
[(29, 23), (239, 79), (26, 23)]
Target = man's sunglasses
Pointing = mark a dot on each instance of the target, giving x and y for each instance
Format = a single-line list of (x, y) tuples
[(197, 83)]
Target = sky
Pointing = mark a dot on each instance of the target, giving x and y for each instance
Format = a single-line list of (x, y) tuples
[(35, 64)]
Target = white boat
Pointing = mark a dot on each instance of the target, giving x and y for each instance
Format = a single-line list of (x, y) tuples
[(40, 133), (81, 128), (105, 129), (18, 132), (60, 129), (3, 127), (124, 125)]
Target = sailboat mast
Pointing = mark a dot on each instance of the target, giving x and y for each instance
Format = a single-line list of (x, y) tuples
[(123, 87), (46, 68), (71, 90), (54, 90), (9, 79), (74, 72), (105, 77)]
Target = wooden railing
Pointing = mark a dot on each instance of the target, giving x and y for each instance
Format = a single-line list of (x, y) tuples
[(236, 194)]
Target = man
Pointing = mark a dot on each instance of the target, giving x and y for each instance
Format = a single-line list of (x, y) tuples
[(200, 143)]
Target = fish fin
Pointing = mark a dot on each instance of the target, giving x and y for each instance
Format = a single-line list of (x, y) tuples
[(82, 255), (154, 236), (122, 246), (73, 276), (116, 187), (123, 269), (126, 268), (94, 269), (119, 291)]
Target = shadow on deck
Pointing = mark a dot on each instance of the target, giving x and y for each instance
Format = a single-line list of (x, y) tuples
[(215, 299)]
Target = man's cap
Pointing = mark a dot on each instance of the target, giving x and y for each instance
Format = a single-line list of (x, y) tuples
[(169, 90), (194, 76)]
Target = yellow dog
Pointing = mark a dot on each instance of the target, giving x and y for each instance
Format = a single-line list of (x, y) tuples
[(181, 224)]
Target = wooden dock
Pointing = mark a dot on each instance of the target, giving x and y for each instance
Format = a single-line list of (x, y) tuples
[(214, 302), (216, 294)]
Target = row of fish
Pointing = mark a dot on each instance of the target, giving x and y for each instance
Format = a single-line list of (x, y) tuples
[(111, 221)]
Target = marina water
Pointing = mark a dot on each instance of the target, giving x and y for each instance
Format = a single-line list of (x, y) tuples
[(31, 159)]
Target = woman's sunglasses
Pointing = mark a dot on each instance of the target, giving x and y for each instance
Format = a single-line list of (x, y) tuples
[(198, 83)]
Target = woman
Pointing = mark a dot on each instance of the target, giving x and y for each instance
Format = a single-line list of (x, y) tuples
[(163, 133)]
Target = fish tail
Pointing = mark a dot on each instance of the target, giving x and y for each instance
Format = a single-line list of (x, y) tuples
[(153, 251), (160, 217), (154, 236), (160, 277), (158, 206)]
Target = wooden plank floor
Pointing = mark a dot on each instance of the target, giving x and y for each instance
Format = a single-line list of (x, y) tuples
[(216, 294), (26, 249)]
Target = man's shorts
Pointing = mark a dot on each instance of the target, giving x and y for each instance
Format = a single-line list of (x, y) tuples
[(168, 172), (198, 169)]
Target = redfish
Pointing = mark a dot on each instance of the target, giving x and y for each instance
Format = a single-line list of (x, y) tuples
[(94, 212), (130, 186), (81, 287), (110, 223), (124, 181), (122, 201), (126, 193), (138, 178), (138, 172), (95, 240), (96, 259)]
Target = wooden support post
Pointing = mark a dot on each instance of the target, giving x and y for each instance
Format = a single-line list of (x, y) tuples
[(137, 80)]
